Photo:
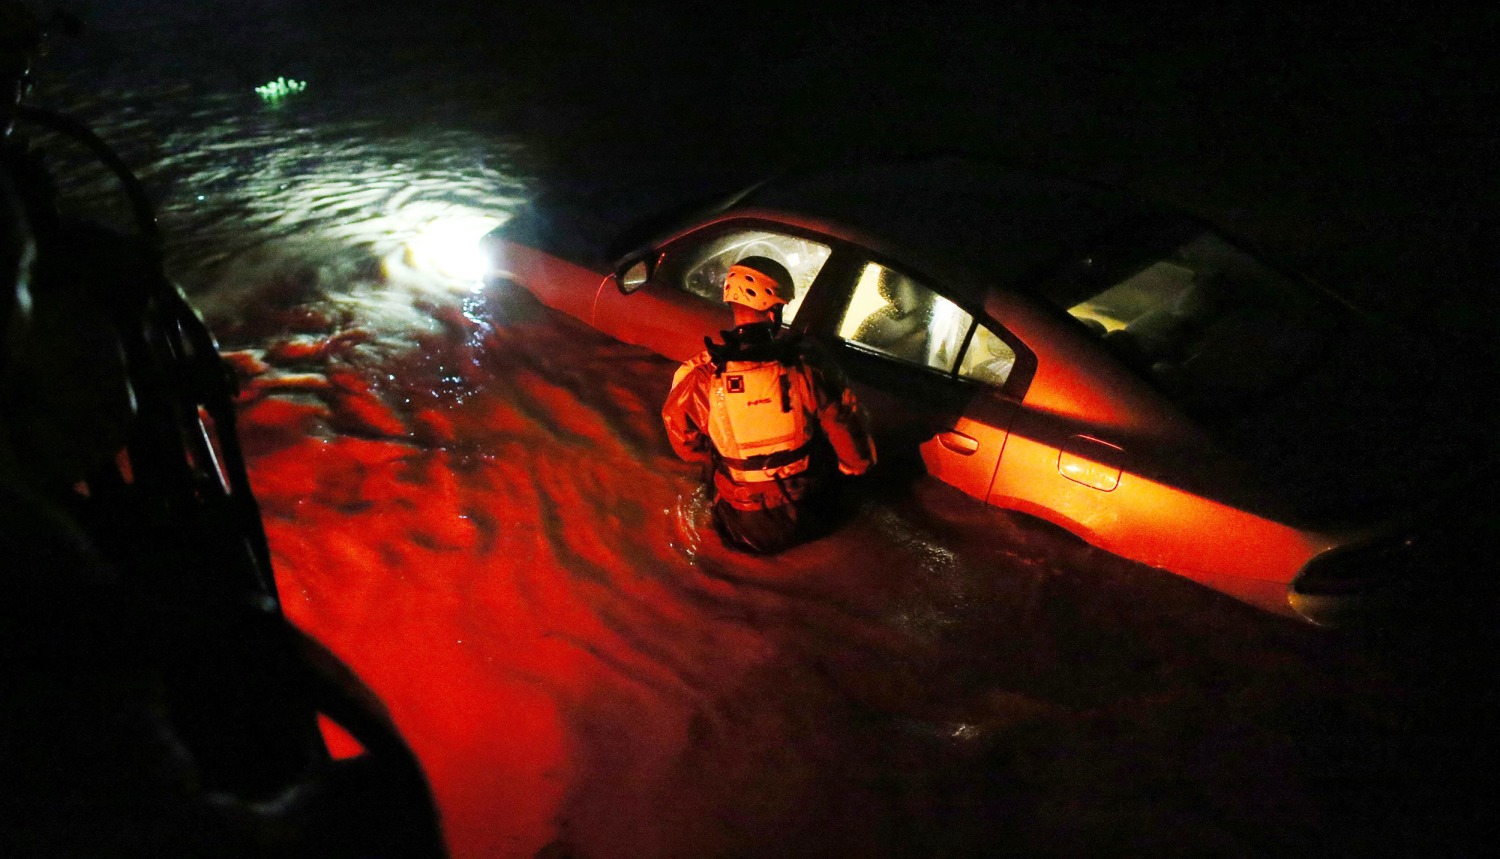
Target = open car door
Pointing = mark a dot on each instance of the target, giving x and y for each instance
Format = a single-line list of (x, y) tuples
[(931, 376)]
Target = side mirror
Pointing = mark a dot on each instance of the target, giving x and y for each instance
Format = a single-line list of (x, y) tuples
[(633, 276)]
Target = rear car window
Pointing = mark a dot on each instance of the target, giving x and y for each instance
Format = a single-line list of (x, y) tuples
[(1210, 325)]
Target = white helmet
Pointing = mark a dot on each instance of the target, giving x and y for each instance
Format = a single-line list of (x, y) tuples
[(759, 283)]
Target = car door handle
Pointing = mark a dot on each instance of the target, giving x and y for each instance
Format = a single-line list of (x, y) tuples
[(958, 442), (1094, 463)]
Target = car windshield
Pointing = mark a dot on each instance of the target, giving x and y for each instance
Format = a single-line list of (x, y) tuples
[(1213, 327), (701, 268)]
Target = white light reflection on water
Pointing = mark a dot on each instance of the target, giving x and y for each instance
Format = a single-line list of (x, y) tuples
[(446, 241), (369, 225), (342, 214)]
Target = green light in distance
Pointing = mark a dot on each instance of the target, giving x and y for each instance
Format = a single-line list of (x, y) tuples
[(279, 89)]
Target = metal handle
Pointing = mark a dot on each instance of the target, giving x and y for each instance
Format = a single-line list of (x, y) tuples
[(958, 442)]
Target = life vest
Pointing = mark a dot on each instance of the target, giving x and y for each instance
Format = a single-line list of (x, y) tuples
[(758, 420)]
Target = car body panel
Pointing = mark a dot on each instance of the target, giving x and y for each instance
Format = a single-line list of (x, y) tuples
[(966, 451), (1082, 407), (667, 322), (557, 283), (1146, 519)]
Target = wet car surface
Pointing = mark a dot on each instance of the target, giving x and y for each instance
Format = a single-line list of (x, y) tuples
[(1126, 373)]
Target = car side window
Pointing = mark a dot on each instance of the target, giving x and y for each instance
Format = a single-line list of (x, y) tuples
[(988, 358), (896, 315), (699, 266)]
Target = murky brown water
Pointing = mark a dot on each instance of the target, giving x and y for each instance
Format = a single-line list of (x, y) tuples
[(471, 499)]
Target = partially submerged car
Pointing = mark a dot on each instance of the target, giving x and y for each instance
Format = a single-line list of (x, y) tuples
[(1123, 371)]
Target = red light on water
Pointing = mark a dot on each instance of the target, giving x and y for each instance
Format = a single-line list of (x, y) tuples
[(443, 549)]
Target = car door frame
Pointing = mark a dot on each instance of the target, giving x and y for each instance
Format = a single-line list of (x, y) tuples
[(954, 418)]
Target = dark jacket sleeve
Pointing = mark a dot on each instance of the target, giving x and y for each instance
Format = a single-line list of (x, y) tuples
[(844, 424)]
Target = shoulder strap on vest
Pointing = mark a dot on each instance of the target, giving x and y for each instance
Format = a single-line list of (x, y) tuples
[(754, 343)]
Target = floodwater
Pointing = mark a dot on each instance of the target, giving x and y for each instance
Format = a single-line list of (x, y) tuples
[(471, 500)]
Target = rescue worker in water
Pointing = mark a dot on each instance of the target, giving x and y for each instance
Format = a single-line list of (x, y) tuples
[(774, 421)]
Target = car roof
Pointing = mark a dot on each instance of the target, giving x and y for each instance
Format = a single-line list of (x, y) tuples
[(1005, 224)]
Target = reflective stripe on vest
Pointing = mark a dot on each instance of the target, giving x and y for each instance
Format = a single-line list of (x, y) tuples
[(757, 439)]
